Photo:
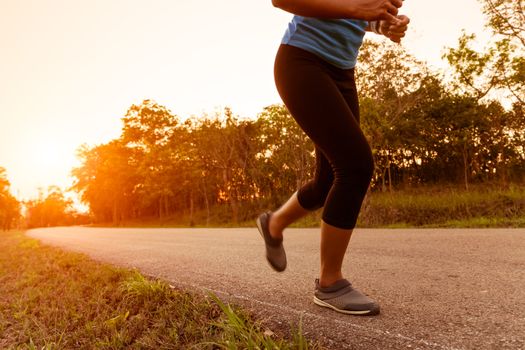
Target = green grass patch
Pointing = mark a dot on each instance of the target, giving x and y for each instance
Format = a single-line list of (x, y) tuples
[(52, 299), (482, 222), (426, 206), (481, 206)]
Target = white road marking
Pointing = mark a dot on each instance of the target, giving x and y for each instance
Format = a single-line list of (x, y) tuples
[(319, 317)]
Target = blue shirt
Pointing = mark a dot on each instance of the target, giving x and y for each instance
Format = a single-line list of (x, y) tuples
[(335, 40)]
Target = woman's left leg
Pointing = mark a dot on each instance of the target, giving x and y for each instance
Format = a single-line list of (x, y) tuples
[(288, 213), (310, 197)]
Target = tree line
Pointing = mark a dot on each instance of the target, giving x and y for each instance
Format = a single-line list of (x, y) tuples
[(161, 165), (423, 129), (50, 208)]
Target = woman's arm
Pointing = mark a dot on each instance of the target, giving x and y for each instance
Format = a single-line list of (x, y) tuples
[(356, 9)]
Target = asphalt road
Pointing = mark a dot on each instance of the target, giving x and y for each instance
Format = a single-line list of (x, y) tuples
[(438, 288)]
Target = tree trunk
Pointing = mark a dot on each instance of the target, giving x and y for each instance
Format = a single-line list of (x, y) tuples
[(166, 206), (205, 192), (231, 199), (192, 223), (160, 208), (389, 175), (383, 181), (465, 165), (115, 213), (504, 177), (235, 210), (302, 161)]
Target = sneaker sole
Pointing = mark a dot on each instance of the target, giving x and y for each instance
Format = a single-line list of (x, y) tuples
[(259, 227), (346, 312)]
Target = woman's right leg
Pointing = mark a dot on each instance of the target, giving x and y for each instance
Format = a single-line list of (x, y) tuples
[(312, 91), (323, 101)]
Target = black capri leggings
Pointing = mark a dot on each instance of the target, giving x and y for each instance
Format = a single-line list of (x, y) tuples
[(323, 100)]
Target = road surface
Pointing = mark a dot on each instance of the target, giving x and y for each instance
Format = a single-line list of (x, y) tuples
[(438, 288)]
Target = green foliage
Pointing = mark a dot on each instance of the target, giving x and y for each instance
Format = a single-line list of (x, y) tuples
[(443, 206), (396, 89), (500, 66), (240, 333), (506, 18), (137, 286), (474, 70)]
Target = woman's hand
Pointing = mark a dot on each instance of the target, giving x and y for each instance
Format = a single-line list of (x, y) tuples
[(395, 30)]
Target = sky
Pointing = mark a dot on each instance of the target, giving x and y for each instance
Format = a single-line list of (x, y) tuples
[(69, 70)]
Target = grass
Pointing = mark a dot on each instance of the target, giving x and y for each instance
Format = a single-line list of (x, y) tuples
[(428, 206), (482, 222), (481, 206), (51, 299), (435, 207)]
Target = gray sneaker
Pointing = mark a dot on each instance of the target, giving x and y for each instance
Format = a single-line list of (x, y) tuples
[(342, 297), (275, 253)]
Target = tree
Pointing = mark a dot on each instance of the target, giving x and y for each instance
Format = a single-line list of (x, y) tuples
[(224, 151), (9, 206), (51, 209), (153, 132), (506, 18), (391, 83), (285, 160), (107, 180), (497, 70), (501, 65)]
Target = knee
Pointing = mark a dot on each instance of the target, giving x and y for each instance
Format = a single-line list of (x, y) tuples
[(356, 172), (312, 196)]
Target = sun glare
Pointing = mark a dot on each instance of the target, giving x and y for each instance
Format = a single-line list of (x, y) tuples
[(50, 154), (49, 159)]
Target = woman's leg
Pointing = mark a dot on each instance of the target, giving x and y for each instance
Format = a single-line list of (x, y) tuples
[(288, 213), (312, 91), (334, 242), (310, 197)]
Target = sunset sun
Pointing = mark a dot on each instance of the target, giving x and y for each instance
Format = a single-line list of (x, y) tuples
[(50, 154)]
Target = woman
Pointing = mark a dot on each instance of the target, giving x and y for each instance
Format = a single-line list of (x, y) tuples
[(314, 74)]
